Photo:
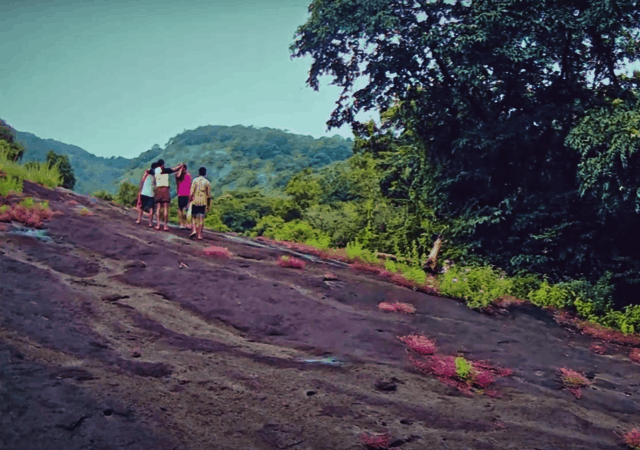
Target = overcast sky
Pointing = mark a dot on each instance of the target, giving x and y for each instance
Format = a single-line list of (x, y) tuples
[(115, 77)]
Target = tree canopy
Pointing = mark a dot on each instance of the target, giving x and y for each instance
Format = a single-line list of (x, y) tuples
[(478, 99)]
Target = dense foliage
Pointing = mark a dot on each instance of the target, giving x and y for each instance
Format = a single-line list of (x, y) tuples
[(9, 147), (507, 126), (64, 167), (241, 157)]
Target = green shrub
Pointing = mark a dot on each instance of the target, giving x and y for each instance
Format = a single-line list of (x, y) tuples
[(523, 285), (415, 274), (127, 194), (464, 370), (63, 166), (323, 242), (590, 300), (10, 184), (478, 286), (213, 221), (34, 172), (627, 321), (267, 226), (104, 195), (297, 231), (391, 265), (550, 295)]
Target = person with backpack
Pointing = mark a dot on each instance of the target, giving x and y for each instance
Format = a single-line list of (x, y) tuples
[(200, 199), (163, 197)]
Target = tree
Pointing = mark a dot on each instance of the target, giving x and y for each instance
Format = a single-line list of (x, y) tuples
[(64, 167), (127, 194), (486, 94), (8, 145), (304, 189)]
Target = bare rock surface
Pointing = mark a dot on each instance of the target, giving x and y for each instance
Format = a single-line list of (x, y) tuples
[(114, 335)]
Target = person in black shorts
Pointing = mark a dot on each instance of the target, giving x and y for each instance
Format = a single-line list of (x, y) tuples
[(183, 183), (146, 194)]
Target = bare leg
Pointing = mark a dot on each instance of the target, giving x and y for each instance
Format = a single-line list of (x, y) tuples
[(200, 226), (158, 208), (166, 216), (139, 215), (193, 226), (151, 211)]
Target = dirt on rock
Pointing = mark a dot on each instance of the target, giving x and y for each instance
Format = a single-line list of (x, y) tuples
[(115, 335)]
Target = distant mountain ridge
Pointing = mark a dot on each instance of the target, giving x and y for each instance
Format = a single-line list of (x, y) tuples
[(236, 157), (92, 172)]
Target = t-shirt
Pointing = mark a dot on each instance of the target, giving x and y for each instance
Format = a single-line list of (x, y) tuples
[(201, 191), (162, 176), (184, 186), (148, 186)]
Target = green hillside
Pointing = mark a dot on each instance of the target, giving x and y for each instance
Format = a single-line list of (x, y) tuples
[(244, 157), (92, 172), (235, 157)]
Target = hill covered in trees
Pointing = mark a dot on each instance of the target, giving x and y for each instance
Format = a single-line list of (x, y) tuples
[(92, 172), (244, 157), (236, 157)]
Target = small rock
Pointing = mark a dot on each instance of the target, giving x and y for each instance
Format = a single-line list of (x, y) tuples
[(133, 264), (387, 386), (114, 297), (136, 354)]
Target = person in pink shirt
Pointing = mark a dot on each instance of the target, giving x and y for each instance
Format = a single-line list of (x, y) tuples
[(183, 181)]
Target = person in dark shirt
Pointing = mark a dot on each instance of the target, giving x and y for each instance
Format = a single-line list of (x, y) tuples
[(163, 198)]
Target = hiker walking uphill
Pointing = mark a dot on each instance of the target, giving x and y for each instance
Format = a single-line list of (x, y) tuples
[(183, 181), (200, 201), (146, 194), (163, 197)]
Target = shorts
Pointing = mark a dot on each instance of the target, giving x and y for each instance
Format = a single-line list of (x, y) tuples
[(197, 210), (147, 202), (183, 202), (162, 194)]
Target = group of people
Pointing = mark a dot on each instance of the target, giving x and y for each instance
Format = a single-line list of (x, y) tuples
[(194, 194)]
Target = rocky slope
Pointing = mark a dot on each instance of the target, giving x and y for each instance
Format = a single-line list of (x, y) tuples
[(114, 335)]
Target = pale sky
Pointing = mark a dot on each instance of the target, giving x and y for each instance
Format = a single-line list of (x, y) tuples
[(115, 77)]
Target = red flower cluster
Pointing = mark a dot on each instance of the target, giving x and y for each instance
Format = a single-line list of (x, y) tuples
[(404, 308), (635, 355), (217, 251), (422, 345), (294, 263), (30, 216), (376, 441), (370, 268), (482, 374), (632, 438), (573, 381)]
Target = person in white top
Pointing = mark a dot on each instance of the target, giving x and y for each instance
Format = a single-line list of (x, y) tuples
[(163, 198), (146, 194)]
